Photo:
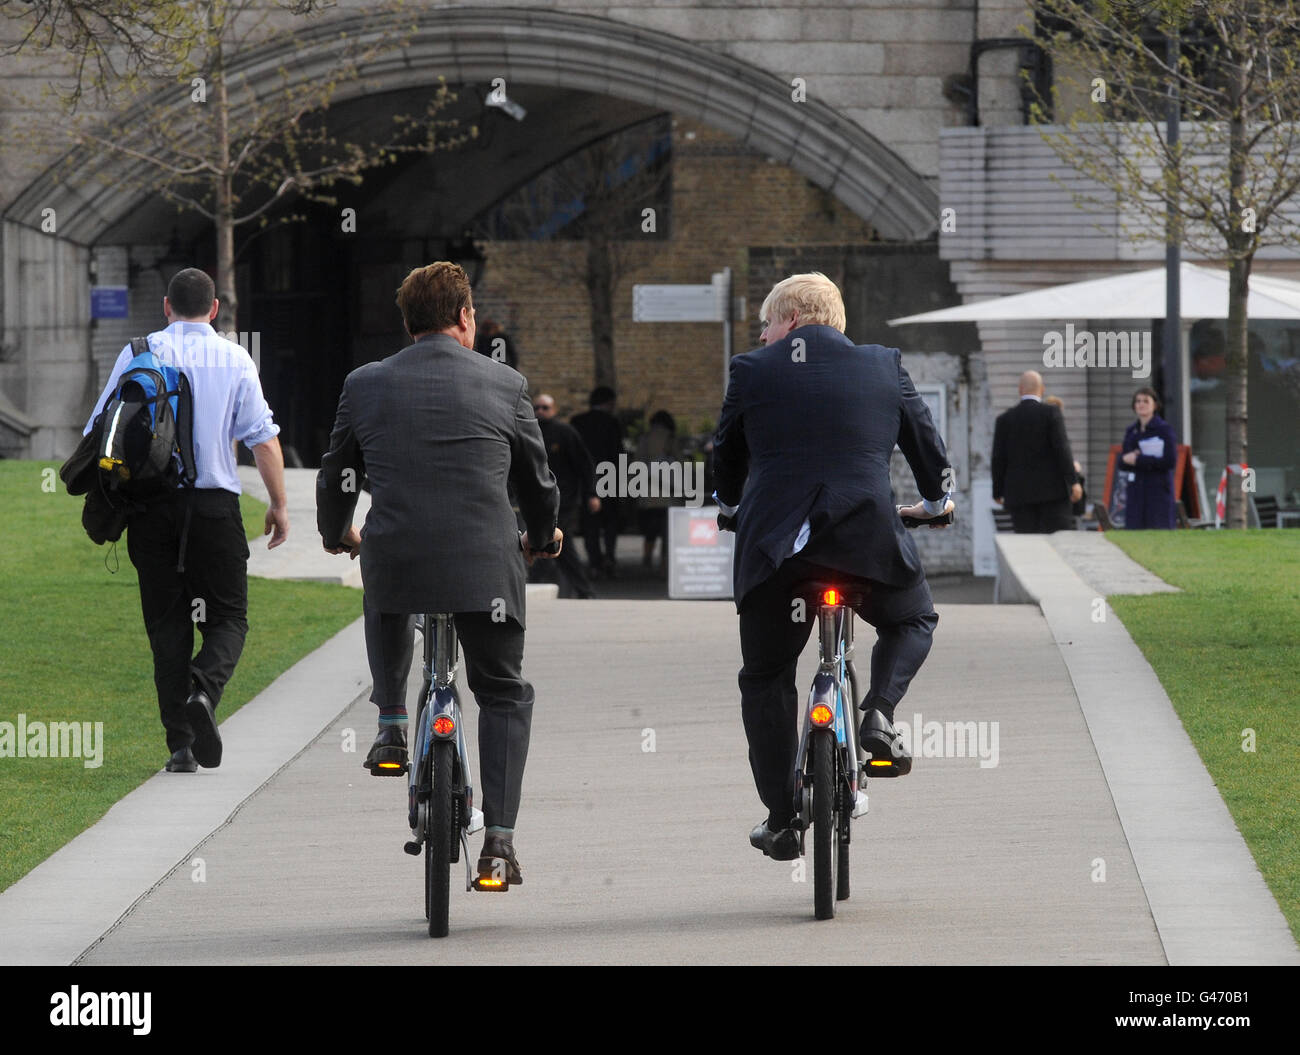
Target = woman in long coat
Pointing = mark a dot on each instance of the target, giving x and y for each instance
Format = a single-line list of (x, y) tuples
[(1150, 451)]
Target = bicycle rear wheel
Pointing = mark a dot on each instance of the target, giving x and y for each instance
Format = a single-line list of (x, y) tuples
[(825, 835), (842, 822), (437, 845)]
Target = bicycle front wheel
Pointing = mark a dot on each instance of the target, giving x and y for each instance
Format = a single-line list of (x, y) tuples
[(437, 843), (825, 835)]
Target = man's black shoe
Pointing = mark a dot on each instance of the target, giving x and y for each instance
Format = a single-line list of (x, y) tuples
[(387, 757), (207, 741), (497, 865), (780, 845), (882, 745), (182, 761)]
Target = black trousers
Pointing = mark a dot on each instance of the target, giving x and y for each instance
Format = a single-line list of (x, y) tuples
[(566, 570), (602, 527), (1042, 518), (494, 655), (210, 594), (771, 640)]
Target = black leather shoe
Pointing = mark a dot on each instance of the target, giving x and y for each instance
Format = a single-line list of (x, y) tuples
[(207, 741), (781, 845), (882, 745), (497, 862), (387, 756), (182, 761)]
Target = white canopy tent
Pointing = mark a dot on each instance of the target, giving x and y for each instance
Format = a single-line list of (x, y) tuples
[(1130, 295)]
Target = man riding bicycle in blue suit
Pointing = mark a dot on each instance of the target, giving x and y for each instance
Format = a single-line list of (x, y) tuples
[(801, 461)]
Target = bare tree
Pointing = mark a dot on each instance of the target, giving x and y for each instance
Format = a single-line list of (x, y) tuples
[(203, 136), (111, 40), (611, 196), (1225, 185)]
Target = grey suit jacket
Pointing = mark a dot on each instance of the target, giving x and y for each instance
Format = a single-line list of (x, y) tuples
[(438, 431)]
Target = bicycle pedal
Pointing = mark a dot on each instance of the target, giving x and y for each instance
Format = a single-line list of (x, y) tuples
[(490, 885), (388, 769), (412, 848)]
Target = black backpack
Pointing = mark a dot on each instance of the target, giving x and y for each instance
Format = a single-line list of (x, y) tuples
[(139, 449)]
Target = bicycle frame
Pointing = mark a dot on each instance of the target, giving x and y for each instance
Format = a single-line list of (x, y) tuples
[(439, 699), (836, 677)]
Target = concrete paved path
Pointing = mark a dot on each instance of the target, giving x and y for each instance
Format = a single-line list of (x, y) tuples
[(1060, 832), (633, 855)]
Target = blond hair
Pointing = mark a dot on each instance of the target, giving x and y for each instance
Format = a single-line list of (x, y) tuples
[(814, 296)]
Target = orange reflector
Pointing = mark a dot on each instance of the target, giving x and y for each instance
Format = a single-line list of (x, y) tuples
[(882, 762), (822, 715), (831, 597), (443, 725), (390, 765), (491, 882)]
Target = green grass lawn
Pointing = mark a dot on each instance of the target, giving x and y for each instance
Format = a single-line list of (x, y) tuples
[(1227, 651), (74, 649)]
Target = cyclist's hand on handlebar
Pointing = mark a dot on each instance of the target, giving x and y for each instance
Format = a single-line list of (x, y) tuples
[(550, 550), (917, 512), (349, 544)]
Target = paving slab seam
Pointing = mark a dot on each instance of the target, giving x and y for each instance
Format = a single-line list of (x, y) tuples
[(193, 850), (1208, 898)]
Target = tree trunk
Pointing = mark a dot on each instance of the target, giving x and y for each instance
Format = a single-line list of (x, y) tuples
[(1238, 363), (225, 220), (1238, 289), (600, 287)]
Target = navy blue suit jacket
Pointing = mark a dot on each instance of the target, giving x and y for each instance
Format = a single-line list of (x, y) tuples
[(808, 435)]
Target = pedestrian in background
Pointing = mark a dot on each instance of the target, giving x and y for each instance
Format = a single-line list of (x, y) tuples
[(576, 478), (1150, 450), (1080, 505), (1033, 469), (657, 444), (603, 435)]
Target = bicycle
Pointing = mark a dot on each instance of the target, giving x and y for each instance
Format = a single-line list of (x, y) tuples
[(442, 814), (441, 807), (830, 781)]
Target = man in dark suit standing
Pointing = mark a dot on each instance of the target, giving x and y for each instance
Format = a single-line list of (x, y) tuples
[(1033, 469), (438, 430), (576, 478), (801, 460)]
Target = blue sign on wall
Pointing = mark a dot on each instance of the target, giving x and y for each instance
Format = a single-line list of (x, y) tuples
[(108, 302)]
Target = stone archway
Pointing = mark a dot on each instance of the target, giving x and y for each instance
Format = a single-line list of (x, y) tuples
[(585, 53), (464, 45)]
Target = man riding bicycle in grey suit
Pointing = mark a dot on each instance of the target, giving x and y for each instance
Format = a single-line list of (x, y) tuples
[(801, 461), (439, 431)]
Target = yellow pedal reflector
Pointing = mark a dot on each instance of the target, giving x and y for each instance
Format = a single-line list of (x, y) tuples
[(822, 715), (390, 765), (489, 884), (443, 725), (881, 762)]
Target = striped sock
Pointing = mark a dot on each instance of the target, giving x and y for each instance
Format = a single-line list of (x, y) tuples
[(392, 716)]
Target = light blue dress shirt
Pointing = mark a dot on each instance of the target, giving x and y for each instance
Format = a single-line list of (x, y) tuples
[(228, 400)]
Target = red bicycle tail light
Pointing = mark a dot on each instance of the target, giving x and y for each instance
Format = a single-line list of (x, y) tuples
[(822, 716), (443, 725), (830, 597)]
